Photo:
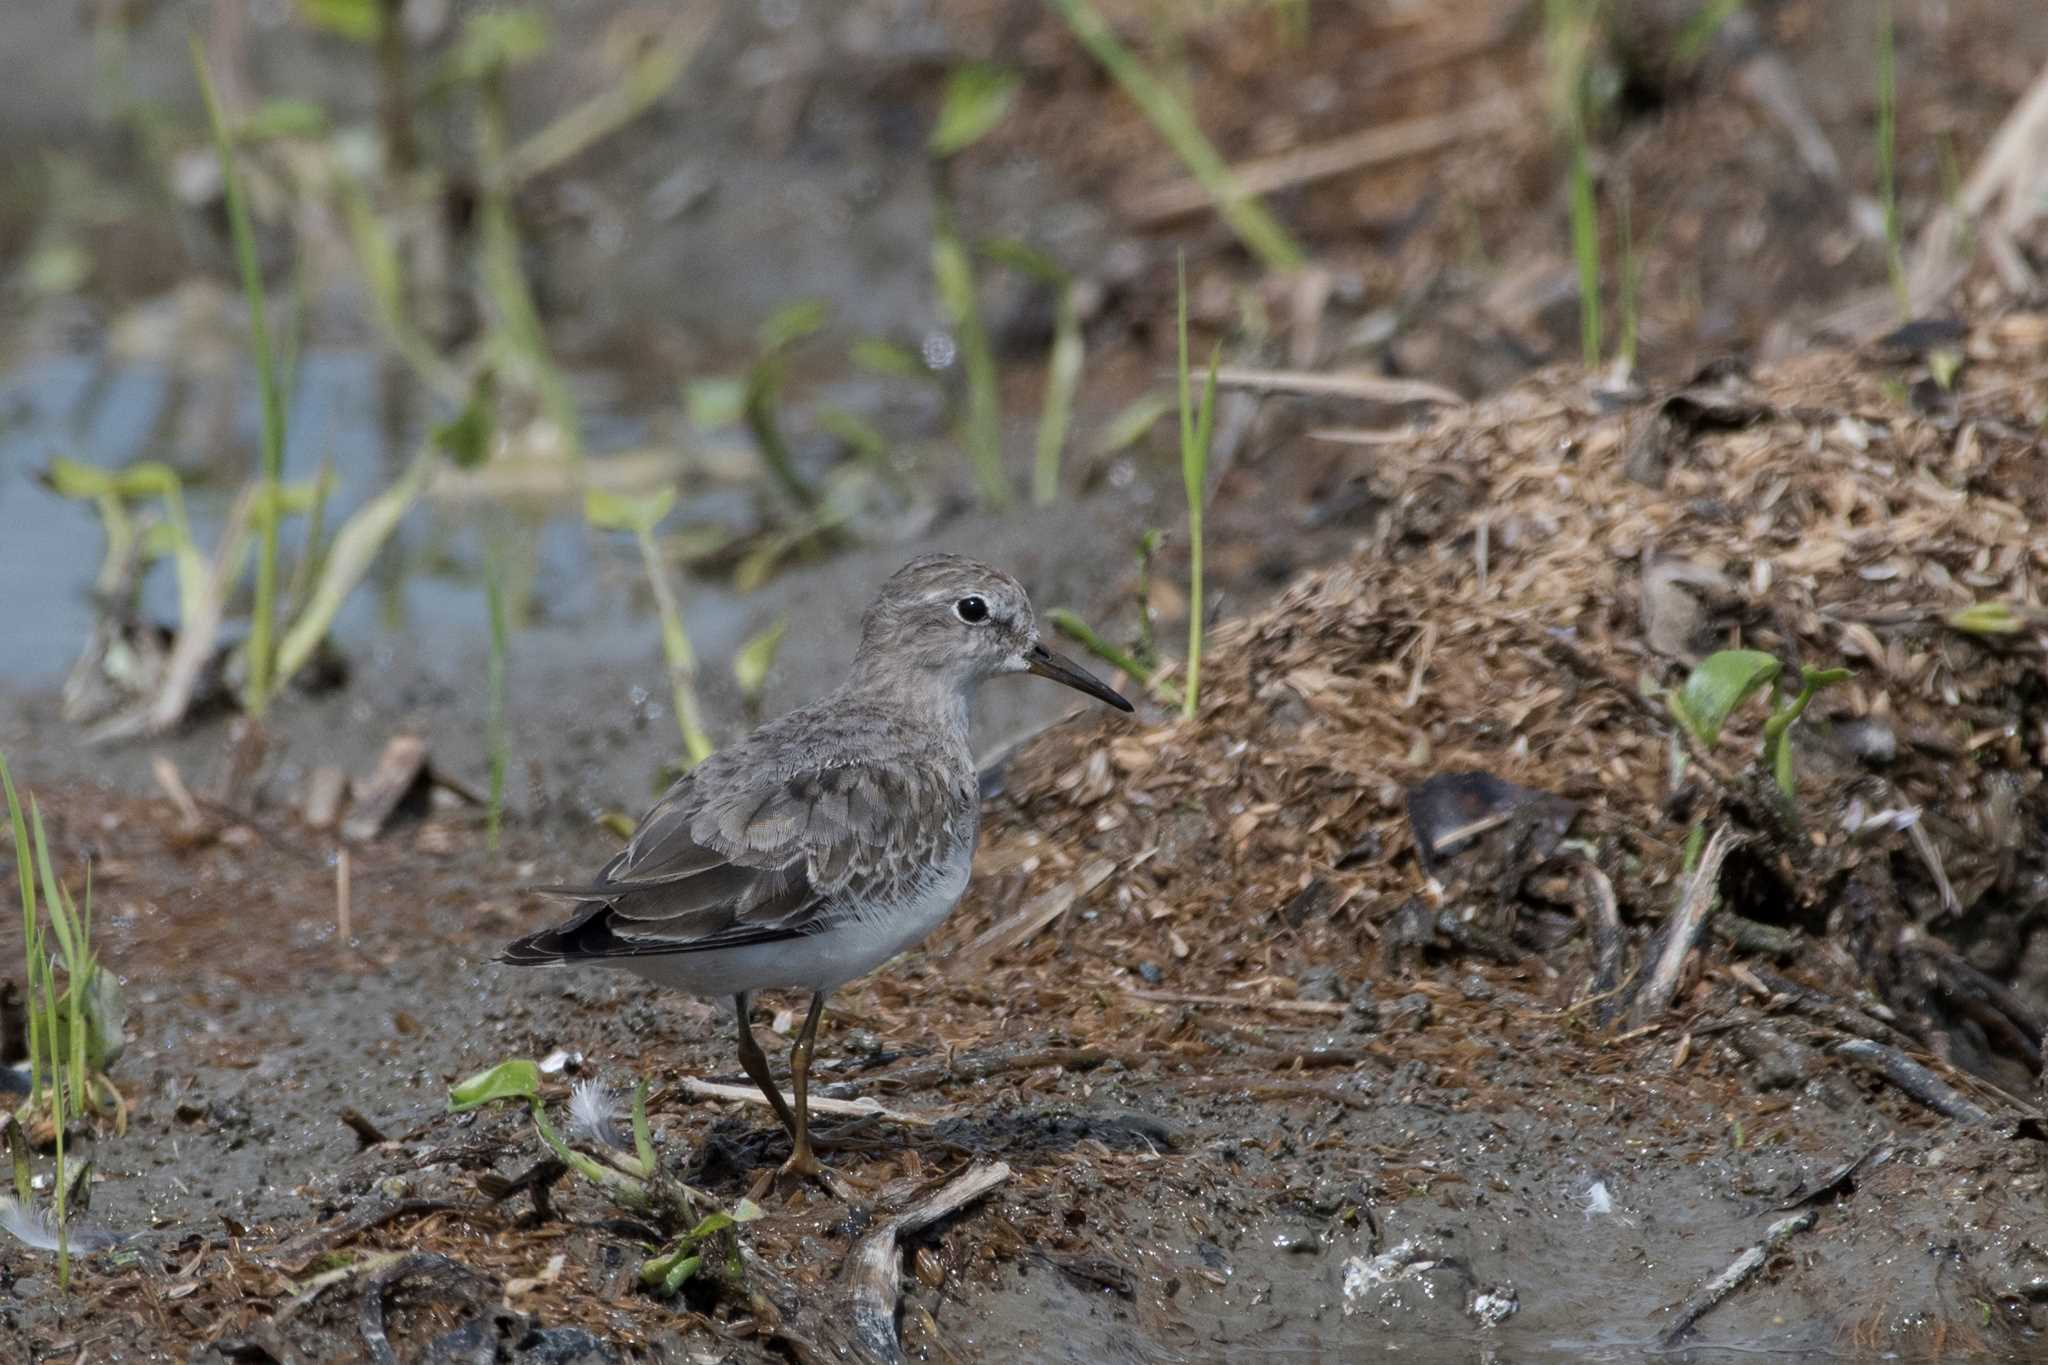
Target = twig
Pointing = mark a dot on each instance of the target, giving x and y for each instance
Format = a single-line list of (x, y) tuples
[(1739, 1272), (1911, 1077), (1817, 1005), (375, 1341), (1603, 926), (1371, 388), (819, 1104), (344, 931), (1682, 930), (872, 1272), (367, 1133), (1325, 160)]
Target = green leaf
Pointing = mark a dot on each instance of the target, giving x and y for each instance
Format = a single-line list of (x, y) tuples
[(1986, 618), (715, 402), (625, 512), (57, 268), (515, 1079), (500, 40), (643, 1141), (354, 550), (75, 479), (860, 436), (1132, 424), (977, 96), (750, 666), (1722, 682), (361, 20), (466, 437), (889, 360), (792, 323), (1945, 363)]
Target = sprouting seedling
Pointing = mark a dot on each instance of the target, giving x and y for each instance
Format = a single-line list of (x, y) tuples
[(640, 515), (263, 622), (1197, 425), (1729, 677), (1247, 217), (72, 1036), (635, 1178), (761, 402), (756, 657), (1568, 30), (1062, 363)]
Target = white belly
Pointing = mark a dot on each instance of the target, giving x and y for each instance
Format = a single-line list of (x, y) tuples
[(817, 962)]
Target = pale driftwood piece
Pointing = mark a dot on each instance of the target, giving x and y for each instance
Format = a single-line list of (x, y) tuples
[(194, 645), (402, 764), (1325, 160), (2009, 169), (1739, 1272), (819, 1104), (872, 1274), (326, 789), (173, 786), (1370, 388), (1018, 929), (1682, 930), (1909, 1076)]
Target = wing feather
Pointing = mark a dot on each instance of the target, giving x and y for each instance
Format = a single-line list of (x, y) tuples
[(719, 864)]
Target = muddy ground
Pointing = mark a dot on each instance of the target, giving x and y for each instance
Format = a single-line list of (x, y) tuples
[(1263, 1085)]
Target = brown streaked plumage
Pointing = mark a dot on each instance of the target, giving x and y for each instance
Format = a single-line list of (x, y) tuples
[(828, 840)]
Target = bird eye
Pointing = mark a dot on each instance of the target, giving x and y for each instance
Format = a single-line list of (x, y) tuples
[(972, 610)]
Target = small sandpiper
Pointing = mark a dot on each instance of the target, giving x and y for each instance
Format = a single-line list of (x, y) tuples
[(830, 839)]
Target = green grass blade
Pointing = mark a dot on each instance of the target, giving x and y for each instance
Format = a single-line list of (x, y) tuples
[(1247, 217), (1062, 381), (31, 936), (261, 624), (675, 648)]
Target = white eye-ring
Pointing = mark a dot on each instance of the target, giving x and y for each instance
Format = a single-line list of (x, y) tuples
[(972, 610)]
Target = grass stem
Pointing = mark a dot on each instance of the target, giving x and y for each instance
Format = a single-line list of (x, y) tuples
[(1247, 216), (272, 449)]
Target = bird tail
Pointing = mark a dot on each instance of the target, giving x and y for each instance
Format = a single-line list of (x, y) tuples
[(562, 943)]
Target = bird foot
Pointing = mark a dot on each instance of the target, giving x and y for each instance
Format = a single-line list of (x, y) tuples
[(801, 1166)]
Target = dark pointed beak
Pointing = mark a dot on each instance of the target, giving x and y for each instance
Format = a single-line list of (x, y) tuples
[(1046, 664)]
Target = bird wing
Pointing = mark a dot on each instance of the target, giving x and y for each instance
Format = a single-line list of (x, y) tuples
[(722, 864)]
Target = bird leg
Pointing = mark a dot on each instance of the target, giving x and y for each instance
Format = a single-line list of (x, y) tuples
[(801, 1162), (756, 1063)]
